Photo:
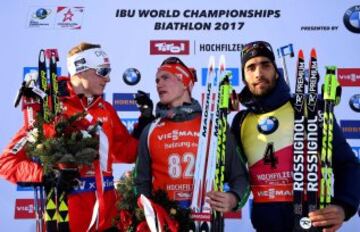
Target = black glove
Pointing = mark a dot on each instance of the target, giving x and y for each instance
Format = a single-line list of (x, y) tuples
[(145, 105), (67, 179)]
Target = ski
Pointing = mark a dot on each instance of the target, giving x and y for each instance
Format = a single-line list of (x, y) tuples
[(44, 86), (312, 135), (201, 157), (299, 144), (54, 88), (331, 95)]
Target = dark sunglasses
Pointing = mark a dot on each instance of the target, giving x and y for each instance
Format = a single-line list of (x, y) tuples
[(254, 45), (175, 60), (103, 71)]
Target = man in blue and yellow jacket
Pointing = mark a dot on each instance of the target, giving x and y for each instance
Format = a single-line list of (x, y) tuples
[(265, 134)]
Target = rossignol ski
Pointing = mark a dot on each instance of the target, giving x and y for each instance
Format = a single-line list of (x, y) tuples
[(331, 95), (298, 143), (306, 128)]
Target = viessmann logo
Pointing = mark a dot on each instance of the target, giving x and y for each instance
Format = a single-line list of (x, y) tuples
[(169, 47), (349, 76)]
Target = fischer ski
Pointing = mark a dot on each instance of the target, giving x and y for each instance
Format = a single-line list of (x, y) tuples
[(331, 95)]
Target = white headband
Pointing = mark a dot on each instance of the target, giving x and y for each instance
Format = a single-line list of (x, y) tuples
[(91, 58)]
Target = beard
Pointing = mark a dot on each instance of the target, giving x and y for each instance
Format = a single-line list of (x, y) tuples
[(263, 88)]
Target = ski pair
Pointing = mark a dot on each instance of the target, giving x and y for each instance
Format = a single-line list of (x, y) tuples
[(306, 128), (210, 159), (305, 144), (56, 207), (331, 94)]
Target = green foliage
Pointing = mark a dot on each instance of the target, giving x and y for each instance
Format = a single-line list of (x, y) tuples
[(65, 140)]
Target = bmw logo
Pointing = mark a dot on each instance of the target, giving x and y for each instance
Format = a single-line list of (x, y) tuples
[(131, 76), (355, 103), (268, 125), (352, 19), (41, 13)]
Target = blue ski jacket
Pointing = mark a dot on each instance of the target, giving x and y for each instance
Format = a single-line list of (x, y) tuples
[(279, 215)]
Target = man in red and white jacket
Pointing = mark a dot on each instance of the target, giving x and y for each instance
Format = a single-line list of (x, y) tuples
[(91, 204)]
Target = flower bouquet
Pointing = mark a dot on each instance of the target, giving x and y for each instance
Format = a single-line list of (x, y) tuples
[(64, 142), (131, 217)]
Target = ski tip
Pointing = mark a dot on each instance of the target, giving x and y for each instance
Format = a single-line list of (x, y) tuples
[(211, 63), (313, 52), (301, 54), (222, 63)]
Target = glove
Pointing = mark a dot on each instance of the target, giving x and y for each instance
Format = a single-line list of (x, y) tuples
[(145, 105), (66, 179)]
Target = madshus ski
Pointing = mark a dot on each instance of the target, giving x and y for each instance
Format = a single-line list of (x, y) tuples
[(210, 161), (305, 146)]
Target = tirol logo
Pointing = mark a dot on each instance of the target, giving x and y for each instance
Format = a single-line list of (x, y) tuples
[(350, 128), (124, 102), (352, 19), (131, 76), (349, 76), (355, 103), (268, 125), (169, 47), (24, 209)]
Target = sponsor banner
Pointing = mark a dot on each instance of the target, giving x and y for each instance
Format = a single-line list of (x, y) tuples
[(219, 47), (24, 188), (350, 128), (354, 103), (27, 70), (124, 102), (352, 19), (233, 215), (41, 17), (60, 17), (234, 79), (348, 76), (24, 209), (129, 123), (169, 47), (131, 76), (69, 17)]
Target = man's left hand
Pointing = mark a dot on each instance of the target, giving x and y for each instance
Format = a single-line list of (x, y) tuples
[(330, 218), (222, 201)]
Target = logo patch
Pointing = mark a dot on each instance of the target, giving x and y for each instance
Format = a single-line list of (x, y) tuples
[(352, 19), (354, 103), (268, 125), (131, 76)]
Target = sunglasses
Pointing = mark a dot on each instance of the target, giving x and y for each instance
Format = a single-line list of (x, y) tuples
[(255, 45), (103, 71), (175, 60)]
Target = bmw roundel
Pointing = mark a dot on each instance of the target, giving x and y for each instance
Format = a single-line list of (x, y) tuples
[(268, 125), (131, 76), (42, 13), (355, 103), (352, 19)]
